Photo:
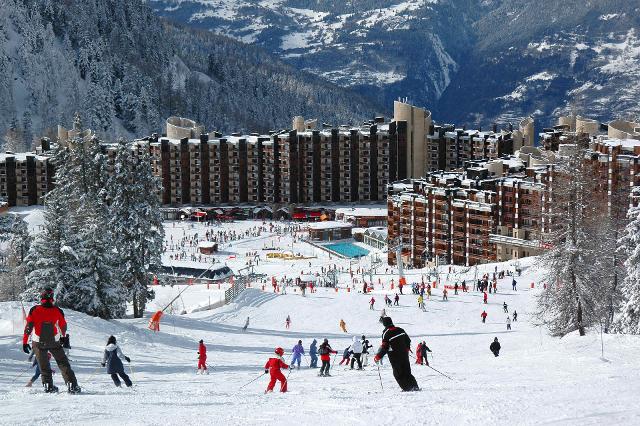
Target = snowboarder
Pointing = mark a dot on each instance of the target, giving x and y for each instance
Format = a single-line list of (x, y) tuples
[(111, 359), (495, 347), (397, 344), (424, 350), (43, 321), (287, 322), (371, 303), (445, 294), (202, 358), (34, 363), (396, 299), (356, 350), (513, 286), (273, 367), (325, 352), (298, 351), (346, 356), (515, 316), (485, 297), (505, 308), (365, 351), (508, 323), (343, 325), (246, 325), (484, 316), (313, 354)]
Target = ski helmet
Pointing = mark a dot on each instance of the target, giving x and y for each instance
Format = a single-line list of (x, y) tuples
[(46, 295), (279, 351)]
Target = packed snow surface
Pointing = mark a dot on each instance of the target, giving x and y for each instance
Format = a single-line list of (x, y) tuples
[(537, 379)]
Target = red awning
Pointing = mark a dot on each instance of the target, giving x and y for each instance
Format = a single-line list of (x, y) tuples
[(316, 214), (200, 214), (299, 215)]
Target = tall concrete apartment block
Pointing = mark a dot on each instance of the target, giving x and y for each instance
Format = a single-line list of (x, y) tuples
[(418, 127), (490, 212), (25, 178), (346, 164)]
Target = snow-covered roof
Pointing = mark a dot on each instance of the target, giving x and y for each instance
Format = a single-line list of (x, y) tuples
[(330, 224), (362, 212)]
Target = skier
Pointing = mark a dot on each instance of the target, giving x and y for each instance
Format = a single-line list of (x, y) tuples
[(484, 316), (396, 299), (445, 294), (246, 325), (343, 325), (202, 358), (34, 363), (356, 350), (495, 347), (455, 289), (298, 351), (425, 349), (287, 322), (419, 353), (396, 344), (513, 284), (43, 321), (273, 367), (485, 297), (325, 352), (508, 323), (365, 351), (515, 316), (371, 303), (421, 302), (313, 354), (387, 301), (346, 356), (505, 308), (111, 359)]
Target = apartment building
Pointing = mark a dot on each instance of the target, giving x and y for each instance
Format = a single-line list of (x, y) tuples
[(25, 178)]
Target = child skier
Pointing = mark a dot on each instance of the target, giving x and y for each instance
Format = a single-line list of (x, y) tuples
[(484, 316), (36, 373), (424, 350), (346, 356), (273, 367), (298, 351), (313, 354), (485, 297), (112, 361), (325, 352), (202, 358)]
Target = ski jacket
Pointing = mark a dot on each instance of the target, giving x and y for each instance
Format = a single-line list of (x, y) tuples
[(202, 351), (395, 341), (298, 350), (347, 352), (495, 347), (483, 315), (372, 301), (313, 349), (356, 346), (424, 349), (274, 365), (366, 346), (325, 352), (44, 321), (113, 358)]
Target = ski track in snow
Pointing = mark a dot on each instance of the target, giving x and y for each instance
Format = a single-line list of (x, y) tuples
[(537, 379)]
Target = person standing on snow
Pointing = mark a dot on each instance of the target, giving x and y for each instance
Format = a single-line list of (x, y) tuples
[(343, 325), (455, 289), (372, 302), (313, 354), (484, 297), (419, 353), (43, 321), (298, 351), (287, 322), (396, 300), (508, 323), (515, 316), (273, 367), (387, 301), (484, 316), (246, 325), (513, 285), (495, 347), (397, 344), (365, 351), (445, 294), (421, 302), (111, 359), (202, 358), (356, 350), (424, 350), (505, 308), (346, 356), (325, 352)]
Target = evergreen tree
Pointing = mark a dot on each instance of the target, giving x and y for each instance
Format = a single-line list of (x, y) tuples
[(15, 234), (629, 318), (136, 223)]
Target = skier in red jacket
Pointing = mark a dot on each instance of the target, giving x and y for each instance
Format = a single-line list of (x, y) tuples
[(273, 367), (485, 297), (202, 358)]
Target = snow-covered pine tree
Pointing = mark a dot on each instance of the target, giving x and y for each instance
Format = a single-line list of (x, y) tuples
[(13, 232), (136, 223), (574, 296), (628, 320)]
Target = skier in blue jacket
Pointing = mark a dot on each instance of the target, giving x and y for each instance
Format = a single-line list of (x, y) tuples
[(111, 360), (298, 351), (313, 354)]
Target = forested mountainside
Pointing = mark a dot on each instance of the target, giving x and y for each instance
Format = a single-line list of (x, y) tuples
[(126, 70)]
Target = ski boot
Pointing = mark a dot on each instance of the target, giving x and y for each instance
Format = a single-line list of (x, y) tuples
[(50, 388), (74, 388)]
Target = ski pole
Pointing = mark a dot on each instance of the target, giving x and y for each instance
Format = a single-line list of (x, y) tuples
[(247, 384), (439, 372), (20, 375), (380, 376)]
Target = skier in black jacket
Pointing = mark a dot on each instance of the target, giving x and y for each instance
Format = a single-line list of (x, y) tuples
[(397, 344), (495, 347)]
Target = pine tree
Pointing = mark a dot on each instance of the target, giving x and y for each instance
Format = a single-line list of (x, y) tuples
[(15, 234), (629, 318), (136, 223)]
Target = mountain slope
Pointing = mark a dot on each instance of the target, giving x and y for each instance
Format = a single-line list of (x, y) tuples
[(126, 70), (469, 61)]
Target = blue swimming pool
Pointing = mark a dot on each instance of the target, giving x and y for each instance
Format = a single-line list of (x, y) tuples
[(348, 249)]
